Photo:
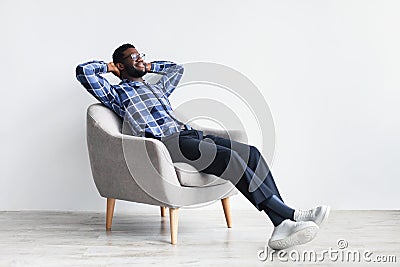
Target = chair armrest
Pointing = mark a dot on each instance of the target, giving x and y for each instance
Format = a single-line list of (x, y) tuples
[(129, 167), (148, 158)]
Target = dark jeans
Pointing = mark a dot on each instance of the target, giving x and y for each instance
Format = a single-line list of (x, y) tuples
[(239, 163)]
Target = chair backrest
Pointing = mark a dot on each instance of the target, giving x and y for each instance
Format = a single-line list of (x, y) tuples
[(106, 118)]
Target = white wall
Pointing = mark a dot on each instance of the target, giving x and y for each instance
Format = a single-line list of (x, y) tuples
[(328, 69)]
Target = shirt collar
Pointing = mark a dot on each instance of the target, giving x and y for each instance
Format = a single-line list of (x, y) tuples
[(131, 83)]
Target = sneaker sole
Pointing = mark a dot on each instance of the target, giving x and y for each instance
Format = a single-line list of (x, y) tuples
[(298, 238)]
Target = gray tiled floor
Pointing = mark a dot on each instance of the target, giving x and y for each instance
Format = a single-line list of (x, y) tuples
[(40, 238)]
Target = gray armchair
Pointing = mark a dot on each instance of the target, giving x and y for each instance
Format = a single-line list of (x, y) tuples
[(140, 169)]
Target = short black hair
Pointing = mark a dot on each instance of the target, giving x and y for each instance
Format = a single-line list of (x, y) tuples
[(118, 55)]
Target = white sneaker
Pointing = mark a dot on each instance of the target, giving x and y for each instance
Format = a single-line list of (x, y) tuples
[(290, 233), (318, 214)]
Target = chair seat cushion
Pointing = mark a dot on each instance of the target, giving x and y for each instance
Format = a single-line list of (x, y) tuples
[(190, 176)]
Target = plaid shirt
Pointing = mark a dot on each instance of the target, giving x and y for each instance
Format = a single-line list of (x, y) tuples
[(137, 101)]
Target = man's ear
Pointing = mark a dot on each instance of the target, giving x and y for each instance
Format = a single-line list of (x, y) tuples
[(120, 66)]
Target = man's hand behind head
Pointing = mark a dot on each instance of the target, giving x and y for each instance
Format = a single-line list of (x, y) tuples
[(112, 68)]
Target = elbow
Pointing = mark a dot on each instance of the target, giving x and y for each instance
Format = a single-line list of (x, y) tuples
[(181, 69), (82, 71), (79, 71)]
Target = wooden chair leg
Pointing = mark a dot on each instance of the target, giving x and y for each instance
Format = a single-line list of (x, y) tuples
[(163, 211), (173, 224), (109, 213), (227, 211)]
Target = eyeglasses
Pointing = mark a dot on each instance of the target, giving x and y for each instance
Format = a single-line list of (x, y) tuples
[(136, 56)]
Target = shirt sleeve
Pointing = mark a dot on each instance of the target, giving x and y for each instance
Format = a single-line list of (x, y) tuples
[(89, 75), (172, 74)]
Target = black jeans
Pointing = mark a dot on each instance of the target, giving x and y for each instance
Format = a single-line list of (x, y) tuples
[(242, 164)]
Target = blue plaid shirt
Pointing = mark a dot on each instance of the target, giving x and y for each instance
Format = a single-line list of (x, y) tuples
[(136, 101)]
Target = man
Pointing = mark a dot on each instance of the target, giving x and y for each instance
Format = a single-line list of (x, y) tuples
[(149, 113)]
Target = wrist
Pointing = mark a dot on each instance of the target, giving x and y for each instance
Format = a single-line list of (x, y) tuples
[(109, 67)]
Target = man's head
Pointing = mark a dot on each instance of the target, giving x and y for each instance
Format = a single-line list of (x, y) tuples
[(128, 61)]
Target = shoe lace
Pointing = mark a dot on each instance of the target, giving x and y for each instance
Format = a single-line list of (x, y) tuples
[(305, 214)]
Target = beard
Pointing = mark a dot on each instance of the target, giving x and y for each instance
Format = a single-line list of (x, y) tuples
[(132, 71)]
